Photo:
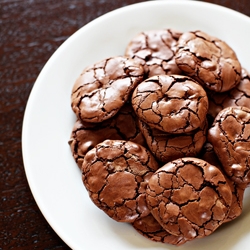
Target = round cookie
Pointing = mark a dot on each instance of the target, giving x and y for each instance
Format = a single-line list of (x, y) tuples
[(238, 190), (115, 174), (150, 228), (102, 88), (167, 147), (238, 96), (209, 60), (122, 126), (173, 104), (155, 50), (189, 197), (230, 137)]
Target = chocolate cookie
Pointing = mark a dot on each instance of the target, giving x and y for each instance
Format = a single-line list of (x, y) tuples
[(122, 126), (230, 137), (155, 50), (102, 88), (173, 104), (116, 174), (238, 96), (189, 197), (167, 147), (238, 190), (209, 60), (150, 228)]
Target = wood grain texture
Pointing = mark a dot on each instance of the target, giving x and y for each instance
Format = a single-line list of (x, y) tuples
[(30, 31)]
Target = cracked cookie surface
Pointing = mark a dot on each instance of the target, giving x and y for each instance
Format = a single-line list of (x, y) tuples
[(150, 228), (174, 104), (115, 174), (102, 88), (122, 126), (189, 197), (155, 50), (230, 137), (209, 60), (167, 147), (238, 96), (238, 190)]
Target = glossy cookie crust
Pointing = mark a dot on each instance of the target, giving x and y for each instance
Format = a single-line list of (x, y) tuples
[(103, 88), (238, 96), (115, 174), (209, 60), (230, 137), (155, 50), (173, 104), (189, 197), (238, 190), (167, 147), (86, 135), (149, 227)]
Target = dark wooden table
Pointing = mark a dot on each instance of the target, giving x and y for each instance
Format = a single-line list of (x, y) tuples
[(30, 31)]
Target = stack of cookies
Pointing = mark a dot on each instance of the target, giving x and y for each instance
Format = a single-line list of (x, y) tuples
[(162, 134)]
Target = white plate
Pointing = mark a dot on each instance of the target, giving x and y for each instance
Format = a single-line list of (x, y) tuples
[(52, 174)]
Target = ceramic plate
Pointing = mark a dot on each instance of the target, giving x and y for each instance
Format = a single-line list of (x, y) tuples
[(52, 174)]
